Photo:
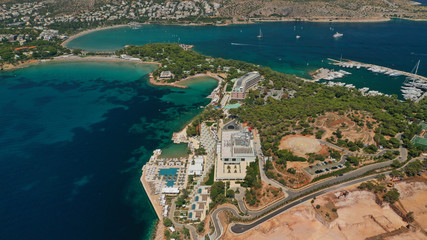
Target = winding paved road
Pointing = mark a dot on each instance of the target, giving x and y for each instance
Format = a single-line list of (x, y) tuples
[(341, 181)]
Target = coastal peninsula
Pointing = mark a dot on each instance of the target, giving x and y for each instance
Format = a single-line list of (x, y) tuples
[(343, 148), (271, 154)]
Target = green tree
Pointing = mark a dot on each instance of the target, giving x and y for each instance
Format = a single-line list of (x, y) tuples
[(381, 177), (391, 196), (167, 222), (230, 193)]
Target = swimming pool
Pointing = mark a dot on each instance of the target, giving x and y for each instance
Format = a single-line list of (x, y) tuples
[(170, 175)]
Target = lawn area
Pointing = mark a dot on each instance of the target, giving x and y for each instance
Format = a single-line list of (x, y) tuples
[(210, 180)]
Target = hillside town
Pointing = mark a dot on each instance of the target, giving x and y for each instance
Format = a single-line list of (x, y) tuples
[(37, 14)]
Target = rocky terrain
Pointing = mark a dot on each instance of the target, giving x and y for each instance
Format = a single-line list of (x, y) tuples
[(313, 10), (322, 9)]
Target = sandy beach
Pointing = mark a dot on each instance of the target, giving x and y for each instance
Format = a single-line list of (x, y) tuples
[(180, 83), (72, 37), (71, 58)]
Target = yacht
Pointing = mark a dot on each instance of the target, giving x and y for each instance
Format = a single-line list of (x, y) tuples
[(344, 72), (364, 89), (337, 35), (298, 36)]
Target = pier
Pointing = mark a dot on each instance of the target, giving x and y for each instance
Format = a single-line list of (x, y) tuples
[(351, 63)]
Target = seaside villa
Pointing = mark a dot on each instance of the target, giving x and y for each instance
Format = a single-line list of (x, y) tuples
[(200, 205), (166, 75)]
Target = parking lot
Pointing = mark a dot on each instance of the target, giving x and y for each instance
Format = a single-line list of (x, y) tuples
[(326, 166)]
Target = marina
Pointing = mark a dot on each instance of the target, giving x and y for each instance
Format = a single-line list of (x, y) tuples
[(376, 69), (414, 87)]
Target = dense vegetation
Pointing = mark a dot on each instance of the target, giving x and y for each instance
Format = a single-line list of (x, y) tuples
[(277, 118), (220, 193), (180, 62), (253, 182), (13, 52)]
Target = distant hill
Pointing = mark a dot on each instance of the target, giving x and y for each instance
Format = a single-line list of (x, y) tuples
[(305, 9), (315, 8), (67, 5)]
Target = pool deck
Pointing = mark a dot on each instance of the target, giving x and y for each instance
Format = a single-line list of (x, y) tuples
[(155, 182)]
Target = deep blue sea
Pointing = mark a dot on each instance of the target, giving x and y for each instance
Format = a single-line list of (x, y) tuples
[(73, 139), (398, 44)]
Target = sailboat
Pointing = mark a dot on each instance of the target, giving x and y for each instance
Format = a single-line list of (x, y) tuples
[(411, 89), (260, 34)]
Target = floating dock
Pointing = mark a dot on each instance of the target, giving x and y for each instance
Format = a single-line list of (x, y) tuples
[(366, 65)]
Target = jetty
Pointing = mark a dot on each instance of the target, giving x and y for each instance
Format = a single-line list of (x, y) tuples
[(351, 64)]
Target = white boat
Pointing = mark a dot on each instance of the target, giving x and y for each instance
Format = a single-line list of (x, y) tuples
[(337, 35), (344, 72), (260, 34), (298, 36), (364, 89)]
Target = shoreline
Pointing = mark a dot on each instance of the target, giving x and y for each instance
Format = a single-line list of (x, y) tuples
[(327, 19), (158, 231), (77, 35), (177, 84), (107, 58), (66, 58)]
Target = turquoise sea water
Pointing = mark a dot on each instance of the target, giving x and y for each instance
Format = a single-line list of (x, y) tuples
[(398, 44), (175, 150), (73, 139)]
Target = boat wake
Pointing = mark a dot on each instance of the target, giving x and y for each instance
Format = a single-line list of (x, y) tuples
[(419, 54), (245, 44)]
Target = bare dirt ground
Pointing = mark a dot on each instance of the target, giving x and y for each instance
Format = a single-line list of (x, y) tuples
[(330, 122), (408, 236), (300, 145), (359, 217), (413, 197)]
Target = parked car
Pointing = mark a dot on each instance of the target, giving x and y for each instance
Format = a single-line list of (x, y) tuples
[(330, 161), (327, 170), (334, 167), (311, 166)]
